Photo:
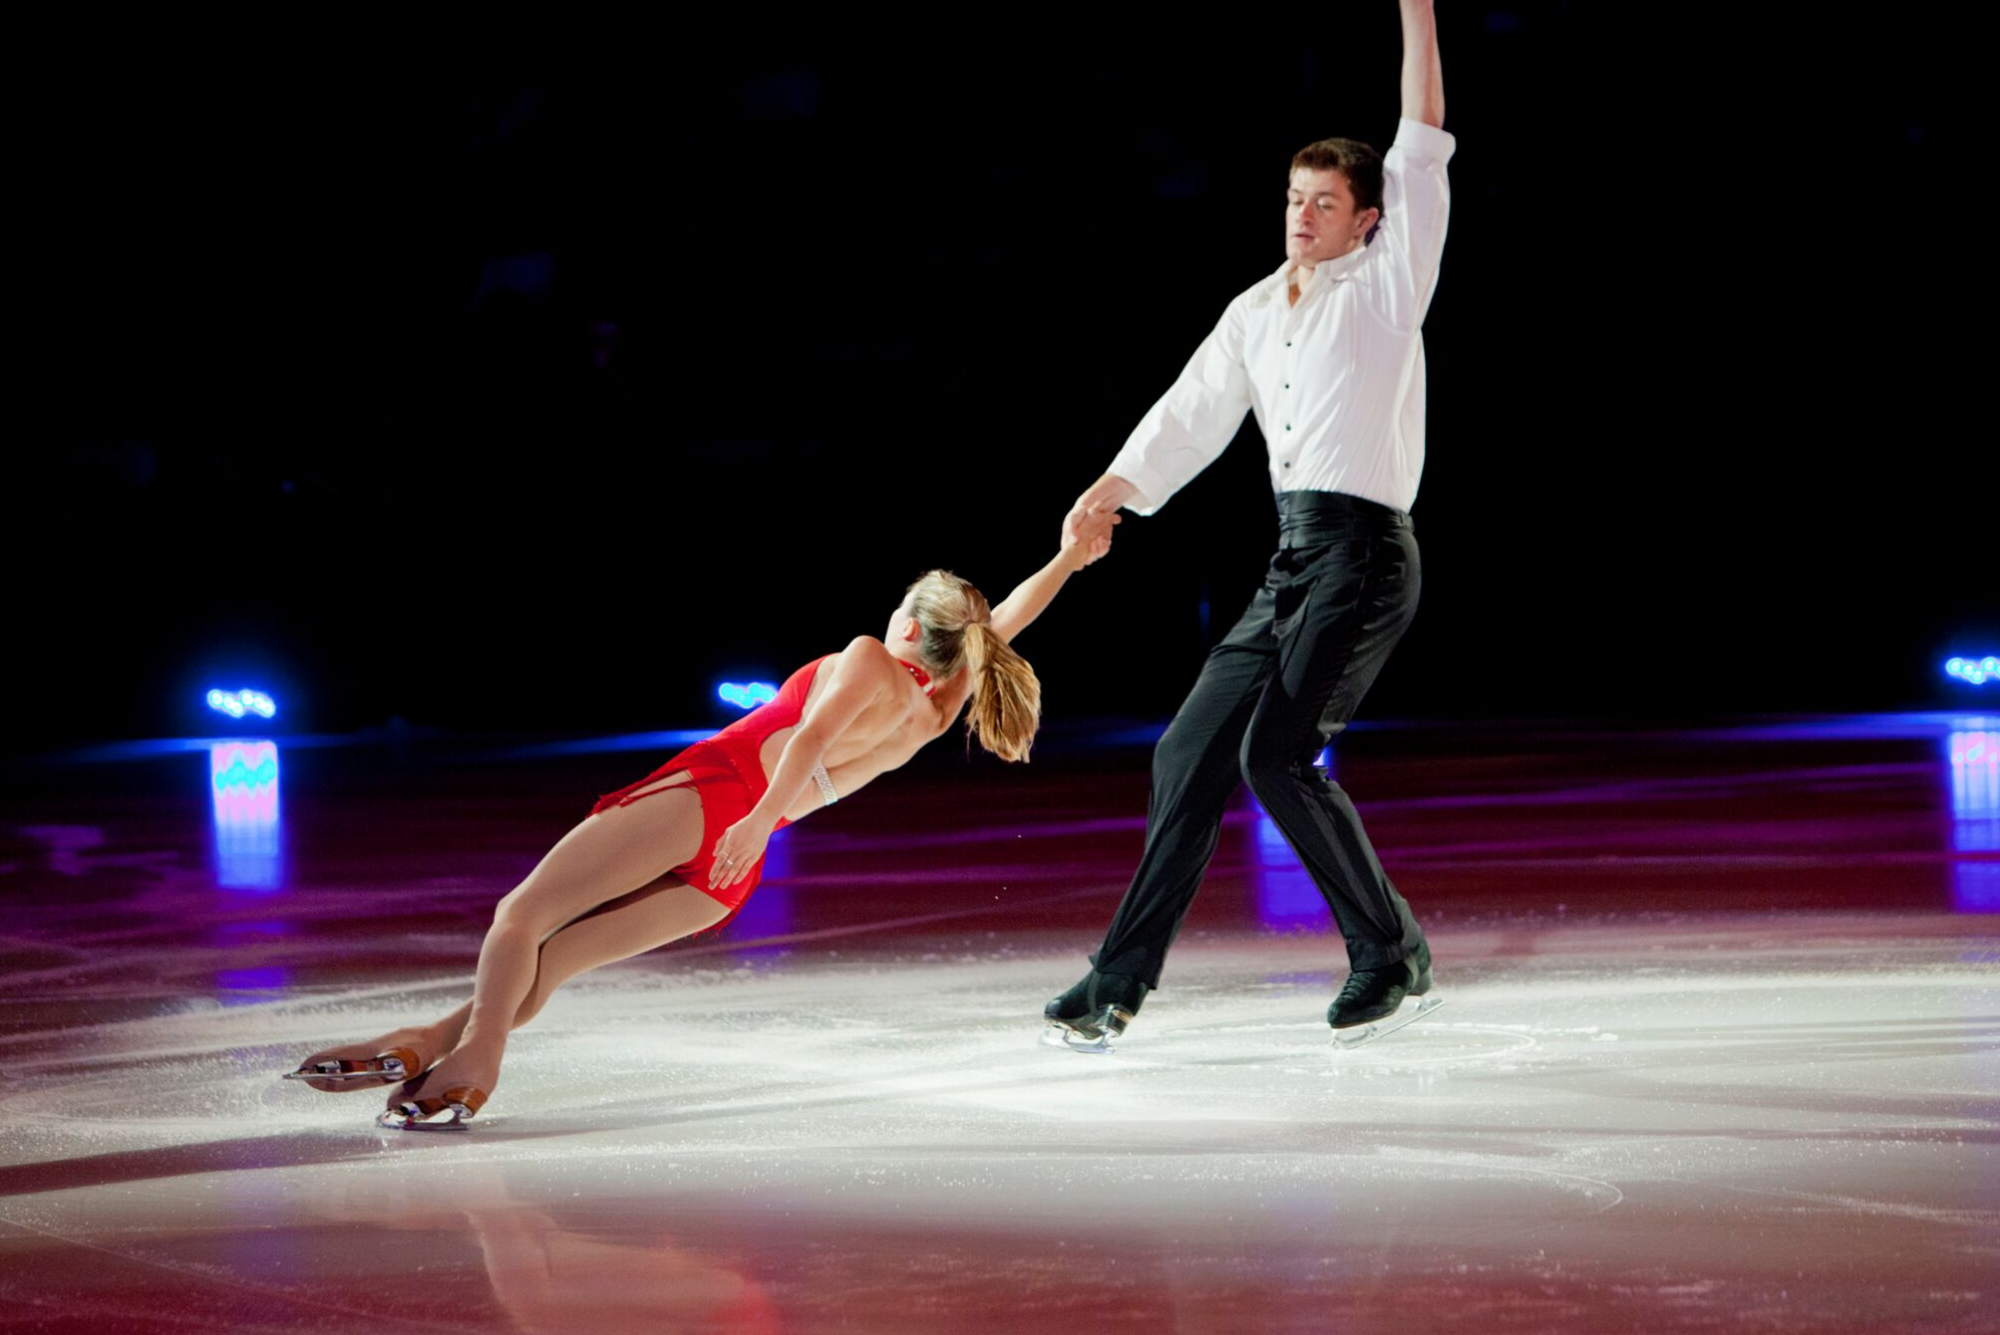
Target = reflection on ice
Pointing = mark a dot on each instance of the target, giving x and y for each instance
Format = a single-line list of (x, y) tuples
[(552, 1275), (252, 980), (1975, 818), (243, 784), (68, 847), (247, 946), (1286, 895), (768, 911)]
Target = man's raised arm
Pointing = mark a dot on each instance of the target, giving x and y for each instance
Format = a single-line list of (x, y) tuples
[(1416, 196), (1423, 75)]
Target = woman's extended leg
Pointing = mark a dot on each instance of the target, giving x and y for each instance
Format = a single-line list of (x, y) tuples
[(607, 857), (644, 920), (632, 924)]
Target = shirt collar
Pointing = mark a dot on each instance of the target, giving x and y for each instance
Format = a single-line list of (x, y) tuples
[(1338, 267)]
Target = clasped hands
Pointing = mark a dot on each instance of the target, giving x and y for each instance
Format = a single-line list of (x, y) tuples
[(1090, 521)]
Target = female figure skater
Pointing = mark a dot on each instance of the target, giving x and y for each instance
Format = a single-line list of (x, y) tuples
[(679, 851)]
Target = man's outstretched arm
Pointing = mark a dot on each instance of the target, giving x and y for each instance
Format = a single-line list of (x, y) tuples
[(1103, 497), (1423, 75), (1193, 422)]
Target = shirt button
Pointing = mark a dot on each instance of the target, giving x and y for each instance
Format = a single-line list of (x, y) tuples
[(1288, 384), (1288, 426), (1288, 465), (1288, 343)]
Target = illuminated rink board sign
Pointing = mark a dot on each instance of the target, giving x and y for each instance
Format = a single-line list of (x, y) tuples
[(243, 703), (243, 786), (1972, 753), (748, 695), (1977, 671), (1975, 768)]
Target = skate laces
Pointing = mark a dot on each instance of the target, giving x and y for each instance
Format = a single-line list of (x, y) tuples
[(1357, 984)]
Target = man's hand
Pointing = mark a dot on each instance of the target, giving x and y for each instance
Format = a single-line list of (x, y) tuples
[(1087, 534), (1103, 498)]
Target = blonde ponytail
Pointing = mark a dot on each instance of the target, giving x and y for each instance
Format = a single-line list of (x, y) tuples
[(1006, 703), (1006, 695)]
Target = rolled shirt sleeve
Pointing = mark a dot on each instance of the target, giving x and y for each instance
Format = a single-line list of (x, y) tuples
[(1193, 422), (1416, 204)]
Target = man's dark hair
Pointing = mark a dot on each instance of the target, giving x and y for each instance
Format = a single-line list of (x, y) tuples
[(1360, 164)]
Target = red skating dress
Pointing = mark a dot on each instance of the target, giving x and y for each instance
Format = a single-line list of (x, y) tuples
[(729, 779)]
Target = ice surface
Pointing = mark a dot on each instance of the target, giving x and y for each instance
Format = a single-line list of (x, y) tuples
[(1660, 1126), (1718, 1056)]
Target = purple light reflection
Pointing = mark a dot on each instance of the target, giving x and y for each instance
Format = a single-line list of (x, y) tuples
[(273, 979), (1286, 895), (1973, 757), (251, 943), (768, 911)]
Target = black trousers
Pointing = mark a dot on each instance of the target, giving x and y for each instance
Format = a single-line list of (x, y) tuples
[(1339, 594)]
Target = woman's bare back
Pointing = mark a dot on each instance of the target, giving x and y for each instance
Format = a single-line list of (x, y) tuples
[(892, 729)]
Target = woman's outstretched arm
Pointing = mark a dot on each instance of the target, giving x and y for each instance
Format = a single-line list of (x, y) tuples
[(1032, 595)]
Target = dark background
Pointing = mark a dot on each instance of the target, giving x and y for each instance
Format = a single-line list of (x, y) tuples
[(534, 392)]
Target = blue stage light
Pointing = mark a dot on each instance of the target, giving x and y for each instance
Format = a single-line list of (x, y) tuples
[(1978, 671), (748, 695), (236, 704)]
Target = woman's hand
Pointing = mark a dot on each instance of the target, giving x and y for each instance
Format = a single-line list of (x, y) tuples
[(1087, 534), (737, 851), (1104, 496)]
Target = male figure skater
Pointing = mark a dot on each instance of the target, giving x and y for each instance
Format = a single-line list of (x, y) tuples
[(1328, 352)]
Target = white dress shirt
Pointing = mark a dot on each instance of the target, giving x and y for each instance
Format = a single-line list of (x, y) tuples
[(1336, 381)]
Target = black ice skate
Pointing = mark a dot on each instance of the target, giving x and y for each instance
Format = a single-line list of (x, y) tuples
[(1088, 1016), (1380, 1001)]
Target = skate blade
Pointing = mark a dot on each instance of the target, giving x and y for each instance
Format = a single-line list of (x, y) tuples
[(1406, 1014), (338, 1077), (1062, 1036), (395, 1121)]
